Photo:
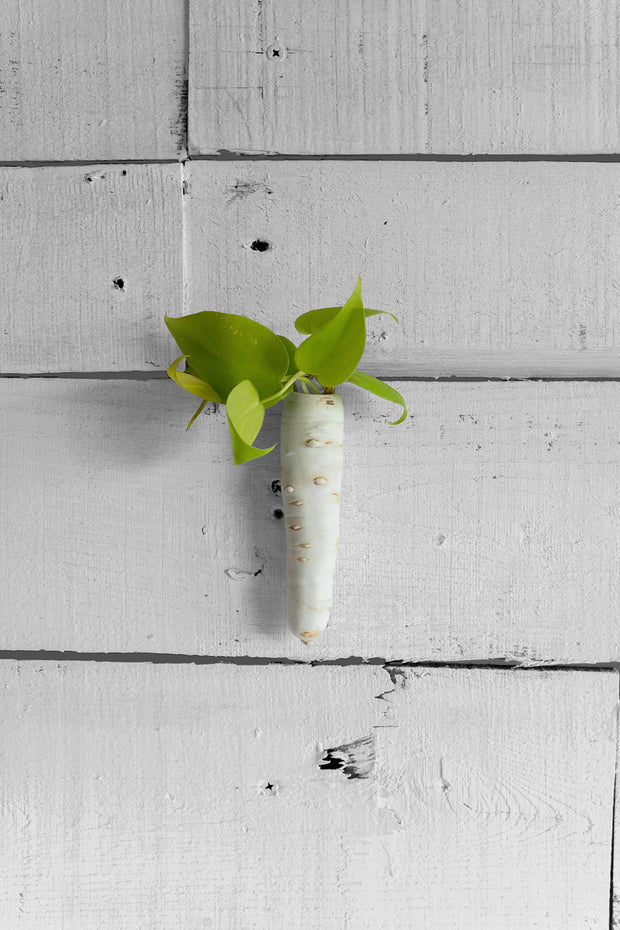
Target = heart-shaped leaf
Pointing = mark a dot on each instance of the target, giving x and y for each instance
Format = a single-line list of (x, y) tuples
[(245, 417), (224, 349), (332, 352), (192, 384), (312, 320), (381, 389)]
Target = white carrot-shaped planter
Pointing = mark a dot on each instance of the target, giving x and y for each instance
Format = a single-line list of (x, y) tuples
[(311, 478), (233, 360)]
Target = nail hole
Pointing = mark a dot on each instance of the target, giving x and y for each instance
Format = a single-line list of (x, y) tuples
[(278, 514), (119, 284), (274, 51), (259, 245), (275, 486), (123, 172)]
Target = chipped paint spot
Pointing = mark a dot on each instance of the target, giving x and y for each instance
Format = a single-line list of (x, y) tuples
[(239, 574), (320, 480), (355, 759), (242, 189), (295, 526)]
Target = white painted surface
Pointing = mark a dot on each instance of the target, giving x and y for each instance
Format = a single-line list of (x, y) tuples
[(83, 80), (484, 527), (402, 76), (67, 235), (614, 919), (138, 796), (493, 269)]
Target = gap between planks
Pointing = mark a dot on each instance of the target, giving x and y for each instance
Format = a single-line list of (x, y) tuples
[(226, 155), (157, 658), (424, 379)]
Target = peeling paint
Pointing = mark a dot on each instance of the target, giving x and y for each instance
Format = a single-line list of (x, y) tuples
[(355, 759)]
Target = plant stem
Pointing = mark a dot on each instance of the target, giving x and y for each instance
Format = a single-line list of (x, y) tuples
[(283, 389)]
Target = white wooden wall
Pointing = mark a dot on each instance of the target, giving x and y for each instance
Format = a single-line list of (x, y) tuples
[(170, 757)]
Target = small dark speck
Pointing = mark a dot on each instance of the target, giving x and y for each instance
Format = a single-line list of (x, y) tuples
[(278, 514), (124, 173), (276, 487), (259, 245), (119, 284), (385, 222)]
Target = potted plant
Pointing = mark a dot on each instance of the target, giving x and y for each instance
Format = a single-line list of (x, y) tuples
[(233, 360)]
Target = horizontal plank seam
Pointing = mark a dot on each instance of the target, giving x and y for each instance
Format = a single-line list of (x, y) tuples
[(157, 658), (161, 376), (229, 155), (225, 155), (84, 163)]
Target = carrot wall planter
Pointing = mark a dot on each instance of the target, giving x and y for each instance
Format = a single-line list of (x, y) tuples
[(311, 438), (236, 361)]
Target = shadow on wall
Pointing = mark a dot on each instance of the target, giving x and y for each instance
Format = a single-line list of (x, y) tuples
[(121, 447), (258, 501)]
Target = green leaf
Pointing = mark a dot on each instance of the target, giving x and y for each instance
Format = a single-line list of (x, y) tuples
[(197, 414), (245, 417), (192, 384), (291, 348), (312, 320), (381, 389), (224, 349), (332, 352)]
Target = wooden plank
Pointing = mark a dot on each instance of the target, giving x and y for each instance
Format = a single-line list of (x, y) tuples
[(90, 260), (484, 527), (85, 80), (614, 904), (505, 270), (219, 796), (404, 77)]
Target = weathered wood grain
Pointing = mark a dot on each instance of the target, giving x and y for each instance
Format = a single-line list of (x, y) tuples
[(509, 270), (614, 904), (484, 527), (403, 77), (85, 80), (189, 797), (90, 260)]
